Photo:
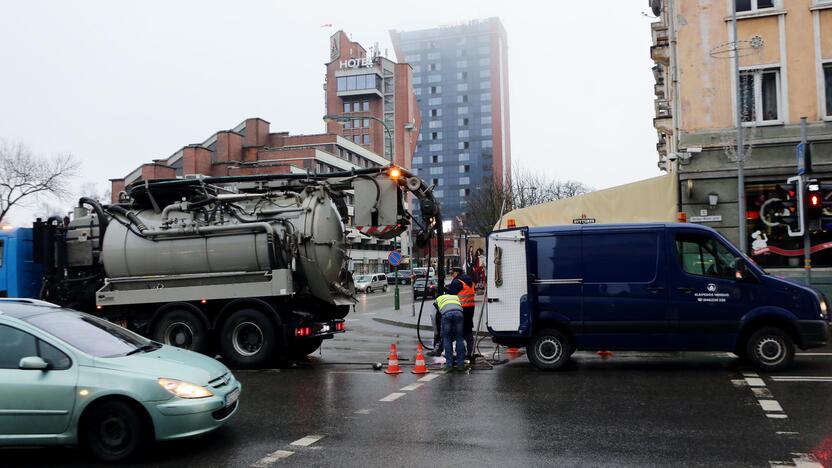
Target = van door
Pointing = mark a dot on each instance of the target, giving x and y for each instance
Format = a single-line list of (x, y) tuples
[(707, 298), (555, 261), (625, 303), (508, 280)]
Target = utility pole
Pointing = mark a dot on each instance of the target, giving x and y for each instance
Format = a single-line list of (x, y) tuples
[(805, 169), (740, 150)]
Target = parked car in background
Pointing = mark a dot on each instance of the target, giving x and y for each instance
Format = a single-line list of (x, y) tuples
[(421, 272), (419, 288), (69, 378), (404, 277), (370, 283)]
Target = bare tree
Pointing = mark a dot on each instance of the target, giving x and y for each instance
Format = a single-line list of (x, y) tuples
[(24, 175), (524, 188)]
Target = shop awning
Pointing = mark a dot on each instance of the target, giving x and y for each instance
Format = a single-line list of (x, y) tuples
[(647, 200)]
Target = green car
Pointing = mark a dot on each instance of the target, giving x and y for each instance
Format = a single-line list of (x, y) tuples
[(71, 378)]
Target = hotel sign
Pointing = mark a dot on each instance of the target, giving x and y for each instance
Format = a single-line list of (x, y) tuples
[(365, 62)]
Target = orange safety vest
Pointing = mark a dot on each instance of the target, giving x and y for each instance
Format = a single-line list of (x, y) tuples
[(467, 294)]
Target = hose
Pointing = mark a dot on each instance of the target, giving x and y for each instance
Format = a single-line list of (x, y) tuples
[(422, 306), (99, 211)]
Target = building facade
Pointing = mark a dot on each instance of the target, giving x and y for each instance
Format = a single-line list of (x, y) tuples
[(359, 84), (460, 77), (785, 73)]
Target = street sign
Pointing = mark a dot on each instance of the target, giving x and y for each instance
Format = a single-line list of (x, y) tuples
[(394, 258), (705, 219)]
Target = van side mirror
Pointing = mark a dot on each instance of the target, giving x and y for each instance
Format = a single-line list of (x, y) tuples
[(33, 363)]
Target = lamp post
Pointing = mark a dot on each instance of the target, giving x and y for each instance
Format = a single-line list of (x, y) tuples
[(343, 118)]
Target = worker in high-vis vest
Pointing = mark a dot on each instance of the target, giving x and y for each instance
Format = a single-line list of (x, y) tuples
[(450, 307), (463, 286)]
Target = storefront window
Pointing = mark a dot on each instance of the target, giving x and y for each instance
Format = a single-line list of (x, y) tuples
[(769, 242)]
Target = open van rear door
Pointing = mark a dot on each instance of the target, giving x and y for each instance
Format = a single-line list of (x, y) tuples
[(508, 279)]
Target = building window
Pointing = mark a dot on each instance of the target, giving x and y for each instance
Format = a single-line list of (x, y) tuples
[(366, 139), (463, 145), (464, 168), (462, 64), (460, 53), (462, 87), (436, 159), (463, 134), (435, 101), (463, 122), (411, 58), (433, 67), (438, 193), (435, 135), (433, 56), (417, 80), (760, 95), (485, 97), (751, 5), (486, 144), (464, 157), (485, 120), (348, 124), (485, 61), (462, 110), (346, 107), (827, 74), (486, 131), (434, 78), (435, 147), (356, 106), (354, 82), (462, 75), (436, 112), (435, 170), (366, 123), (435, 123), (485, 73), (485, 84), (462, 98), (417, 91), (464, 181), (356, 139), (435, 89), (416, 68), (366, 105), (464, 192), (485, 50), (485, 108)]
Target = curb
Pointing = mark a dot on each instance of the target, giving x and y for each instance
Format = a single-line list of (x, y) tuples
[(413, 326)]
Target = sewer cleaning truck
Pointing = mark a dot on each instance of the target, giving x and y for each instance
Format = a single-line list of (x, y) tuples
[(252, 267)]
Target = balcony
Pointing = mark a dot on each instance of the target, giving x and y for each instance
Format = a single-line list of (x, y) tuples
[(663, 122), (659, 90), (660, 51)]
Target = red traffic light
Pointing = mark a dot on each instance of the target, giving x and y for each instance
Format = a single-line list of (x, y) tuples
[(814, 200)]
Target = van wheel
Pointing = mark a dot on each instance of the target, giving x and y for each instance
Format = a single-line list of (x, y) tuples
[(248, 340), (183, 329), (770, 349), (549, 350), (113, 431)]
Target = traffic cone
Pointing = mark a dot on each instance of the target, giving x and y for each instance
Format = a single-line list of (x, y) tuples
[(604, 353), (393, 362), (420, 367)]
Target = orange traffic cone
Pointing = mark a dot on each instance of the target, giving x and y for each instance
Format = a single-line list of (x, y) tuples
[(420, 367), (604, 353), (393, 362)]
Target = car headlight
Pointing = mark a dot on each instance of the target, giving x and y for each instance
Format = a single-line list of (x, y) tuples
[(184, 389), (824, 308)]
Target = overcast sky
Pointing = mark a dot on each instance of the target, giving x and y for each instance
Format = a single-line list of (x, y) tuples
[(120, 83)]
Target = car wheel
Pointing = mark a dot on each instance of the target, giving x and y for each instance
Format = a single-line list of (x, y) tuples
[(369, 290), (113, 431), (181, 328), (384, 288), (248, 340), (299, 349), (549, 350), (770, 349)]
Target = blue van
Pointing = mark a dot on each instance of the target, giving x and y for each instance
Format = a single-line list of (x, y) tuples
[(667, 286), (20, 276)]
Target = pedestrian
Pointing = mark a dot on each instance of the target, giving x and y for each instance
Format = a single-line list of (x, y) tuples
[(463, 286), (450, 308), (437, 334)]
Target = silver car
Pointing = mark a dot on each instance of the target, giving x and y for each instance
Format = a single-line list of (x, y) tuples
[(370, 283)]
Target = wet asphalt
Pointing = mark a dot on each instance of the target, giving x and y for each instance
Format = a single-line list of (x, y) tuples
[(630, 409)]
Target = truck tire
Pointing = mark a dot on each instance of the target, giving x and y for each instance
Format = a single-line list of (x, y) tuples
[(181, 328), (300, 349), (770, 349), (248, 339), (549, 350), (113, 431)]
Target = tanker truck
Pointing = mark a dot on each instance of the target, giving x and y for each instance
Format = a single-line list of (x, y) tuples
[(252, 267)]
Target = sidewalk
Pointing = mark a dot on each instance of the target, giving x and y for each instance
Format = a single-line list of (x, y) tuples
[(408, 314)]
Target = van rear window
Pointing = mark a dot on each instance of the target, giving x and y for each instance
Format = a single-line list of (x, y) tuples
[(558, 257), (629, 257)]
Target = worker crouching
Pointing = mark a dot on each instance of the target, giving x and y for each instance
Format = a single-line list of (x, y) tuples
[(450, 308)]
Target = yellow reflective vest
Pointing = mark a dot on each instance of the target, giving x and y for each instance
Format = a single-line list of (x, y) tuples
[(448, 302)]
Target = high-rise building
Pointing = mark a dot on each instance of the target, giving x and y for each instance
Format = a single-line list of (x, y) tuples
[(360, 84), (460, 77)]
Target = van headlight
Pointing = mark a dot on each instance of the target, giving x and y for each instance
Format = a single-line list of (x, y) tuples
[(184, 389), (824, 308)]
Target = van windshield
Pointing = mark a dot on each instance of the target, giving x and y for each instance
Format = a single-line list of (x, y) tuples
[(705, 256)]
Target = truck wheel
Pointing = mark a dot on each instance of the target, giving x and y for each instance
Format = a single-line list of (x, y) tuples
[(770, 349), (113, 431), (299, 349), (183, 329), (549, 350), (248, 339)]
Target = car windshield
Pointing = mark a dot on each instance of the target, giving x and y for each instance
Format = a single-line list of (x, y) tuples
[(89, 334), (362, 279)]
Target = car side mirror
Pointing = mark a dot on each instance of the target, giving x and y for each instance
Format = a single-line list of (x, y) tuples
[(33, 363)]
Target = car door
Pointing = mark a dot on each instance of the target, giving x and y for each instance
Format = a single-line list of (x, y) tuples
[(707, 298), (625, 297), (557, 281), (34, 402)]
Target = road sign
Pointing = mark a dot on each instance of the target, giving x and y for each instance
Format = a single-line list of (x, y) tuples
[(394, 258)]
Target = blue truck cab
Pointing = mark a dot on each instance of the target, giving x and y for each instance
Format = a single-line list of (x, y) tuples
[(20, 276), (643, 287)]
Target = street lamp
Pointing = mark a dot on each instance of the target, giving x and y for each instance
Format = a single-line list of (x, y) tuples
[(343, 118)]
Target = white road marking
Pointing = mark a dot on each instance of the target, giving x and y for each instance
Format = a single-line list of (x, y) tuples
[(755, 382), (364, 411), (813, 354), (806, 460), (356, 372), (352, 320), (269, 459), (761, 392), (411, 387), (749, 374), (801, 378), (776, 415), (786, 433), (428, 378), (307, 441), (393, 396), (770, 405), (739, 382)]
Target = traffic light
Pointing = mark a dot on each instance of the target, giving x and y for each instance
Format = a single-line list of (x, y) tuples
[(814, 201), (793, 207)]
